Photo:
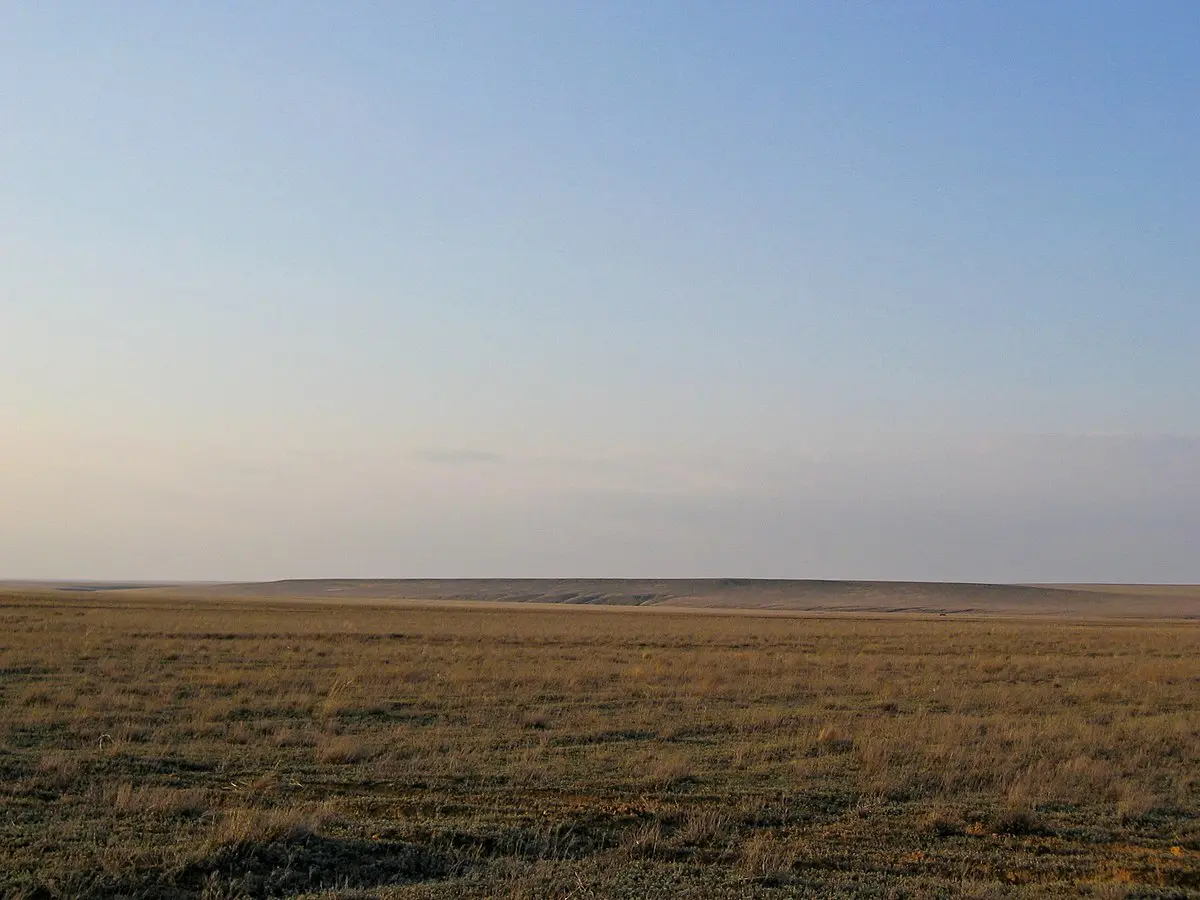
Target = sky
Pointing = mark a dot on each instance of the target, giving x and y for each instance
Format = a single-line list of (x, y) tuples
[(777, 289)]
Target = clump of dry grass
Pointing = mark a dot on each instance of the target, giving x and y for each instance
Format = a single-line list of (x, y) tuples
[(670, 769), (833, 739), (156, 800), (58, 769), (343, 749), (645, 841), (289, 736), (704, 827), (243, 827), (943, 821), (766, 857), (1017, 819), (535, 720)]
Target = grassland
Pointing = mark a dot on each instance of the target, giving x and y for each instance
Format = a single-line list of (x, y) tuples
[(163, 747), (763, 594)]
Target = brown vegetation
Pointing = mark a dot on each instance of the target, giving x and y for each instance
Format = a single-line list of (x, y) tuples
[(1077, 601), (161, 748)]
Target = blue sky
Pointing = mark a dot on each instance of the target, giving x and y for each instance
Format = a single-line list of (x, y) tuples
[(815, 290)]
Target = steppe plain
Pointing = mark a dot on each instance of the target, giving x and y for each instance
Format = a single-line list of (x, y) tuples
[(599, 738)]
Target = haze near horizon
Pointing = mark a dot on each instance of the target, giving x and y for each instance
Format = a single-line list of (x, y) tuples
[(902, 291)]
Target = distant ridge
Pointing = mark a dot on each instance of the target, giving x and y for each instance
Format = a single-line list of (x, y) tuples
[(795, 595)]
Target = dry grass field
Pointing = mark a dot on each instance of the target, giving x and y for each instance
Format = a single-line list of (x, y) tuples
[(157, 747), (785, 595)]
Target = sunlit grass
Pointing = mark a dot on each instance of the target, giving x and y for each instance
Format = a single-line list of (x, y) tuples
[(153, 745)]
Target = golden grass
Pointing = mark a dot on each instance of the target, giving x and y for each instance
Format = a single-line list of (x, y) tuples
[(501, 750)]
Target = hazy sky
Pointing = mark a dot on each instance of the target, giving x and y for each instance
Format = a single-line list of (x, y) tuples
[(881, 290)]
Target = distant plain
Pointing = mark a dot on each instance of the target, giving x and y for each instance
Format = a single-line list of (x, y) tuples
[(783, 595)]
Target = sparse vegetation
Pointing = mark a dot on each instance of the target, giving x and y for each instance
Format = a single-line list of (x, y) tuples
[(162, 748)]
